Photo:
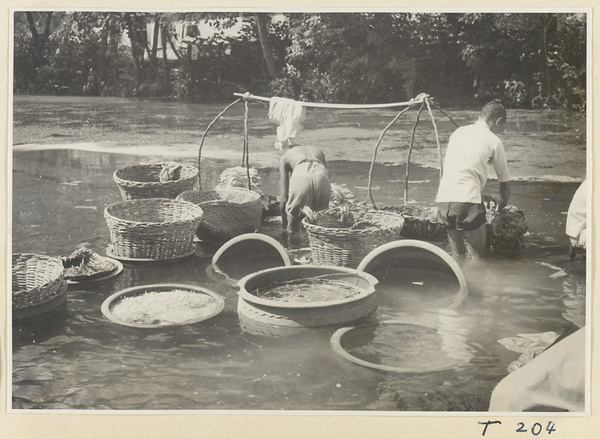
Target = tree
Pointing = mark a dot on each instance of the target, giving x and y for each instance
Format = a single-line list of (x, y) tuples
[(262, 25)]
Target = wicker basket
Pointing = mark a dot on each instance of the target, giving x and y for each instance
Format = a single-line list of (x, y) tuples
[(420, 222), (346, 247), (143, 181), (152, 228), (228, 212), (36, 279)]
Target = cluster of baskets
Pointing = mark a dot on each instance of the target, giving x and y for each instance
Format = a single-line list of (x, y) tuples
[(227, 212), (345, 243), (158, 219), (150, 224), (36, 280)]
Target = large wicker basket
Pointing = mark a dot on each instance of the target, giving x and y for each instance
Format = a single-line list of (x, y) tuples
[(346, 247), (36, 280), (420, 222), (228, 212), (143, 181), (152, 228)]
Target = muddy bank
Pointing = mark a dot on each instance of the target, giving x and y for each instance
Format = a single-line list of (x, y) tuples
[(540, 145)]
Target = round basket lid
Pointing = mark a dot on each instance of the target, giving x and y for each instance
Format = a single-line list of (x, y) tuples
[(395, 346), (156, 306), (321, 286)]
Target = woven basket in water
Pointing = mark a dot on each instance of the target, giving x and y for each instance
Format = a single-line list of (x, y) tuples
[(420, 222), (347, 246), (36, 279), (152, 228), (228, 212), (143, 181)]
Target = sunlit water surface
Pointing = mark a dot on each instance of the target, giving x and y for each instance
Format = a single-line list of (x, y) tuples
[(77, 359)]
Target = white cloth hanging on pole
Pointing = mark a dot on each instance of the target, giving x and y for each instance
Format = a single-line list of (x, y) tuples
[(288, 115)]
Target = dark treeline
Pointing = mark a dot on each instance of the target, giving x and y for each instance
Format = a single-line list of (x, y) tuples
[(525, 60)]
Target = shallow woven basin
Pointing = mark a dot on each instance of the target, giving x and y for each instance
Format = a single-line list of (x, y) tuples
[(152, 228), (306, 314), (214, 304)]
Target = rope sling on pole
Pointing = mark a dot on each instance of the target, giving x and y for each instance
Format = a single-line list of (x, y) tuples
[(204, 135), (422, 98), (437, 138), (410, 147), (375, 153), (246, 149)]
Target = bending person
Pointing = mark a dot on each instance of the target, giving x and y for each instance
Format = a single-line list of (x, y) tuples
[(304, 182)]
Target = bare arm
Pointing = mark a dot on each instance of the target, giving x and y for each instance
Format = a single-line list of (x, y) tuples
[(284, 187), (504, 194)]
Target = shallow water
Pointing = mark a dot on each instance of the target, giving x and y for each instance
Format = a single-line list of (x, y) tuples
[(76, 359)]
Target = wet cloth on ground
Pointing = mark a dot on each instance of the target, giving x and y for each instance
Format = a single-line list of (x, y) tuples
[(288, 114), (309, 186)]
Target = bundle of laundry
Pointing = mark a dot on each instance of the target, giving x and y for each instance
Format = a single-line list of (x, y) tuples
[(288, 115), (170, 171), (505, 229)]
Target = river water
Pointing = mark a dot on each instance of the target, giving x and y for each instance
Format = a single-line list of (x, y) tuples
[(76, 359)]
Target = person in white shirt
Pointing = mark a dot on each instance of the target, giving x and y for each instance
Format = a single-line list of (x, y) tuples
[(473, 152), (576, 226)]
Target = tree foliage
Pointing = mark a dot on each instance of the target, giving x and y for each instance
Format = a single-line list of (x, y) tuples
[(523, 59)]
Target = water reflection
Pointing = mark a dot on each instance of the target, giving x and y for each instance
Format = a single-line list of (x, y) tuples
[(76, 359)]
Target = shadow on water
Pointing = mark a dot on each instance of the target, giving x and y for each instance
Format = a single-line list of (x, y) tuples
[(76, 359)]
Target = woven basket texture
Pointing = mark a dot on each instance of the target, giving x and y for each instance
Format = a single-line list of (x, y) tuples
[(152, 228), (228, 212), (142, 181), (347, 247), (36, 279), (420, 222)]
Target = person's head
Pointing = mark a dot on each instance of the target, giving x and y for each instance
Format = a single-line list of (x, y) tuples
[(494, 114)]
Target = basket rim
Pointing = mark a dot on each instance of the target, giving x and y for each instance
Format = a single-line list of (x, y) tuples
[(253, 196), (194, 208), (119, 179), (336, 344), (348, 231)]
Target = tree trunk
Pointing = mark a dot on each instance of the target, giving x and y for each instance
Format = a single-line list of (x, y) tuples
[(163, 42), (263, 36), (155, 36), (137, 50), (103, 47), (38, 41)]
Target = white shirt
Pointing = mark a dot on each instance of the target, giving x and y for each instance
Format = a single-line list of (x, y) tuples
[(576, 216), (473, 152)]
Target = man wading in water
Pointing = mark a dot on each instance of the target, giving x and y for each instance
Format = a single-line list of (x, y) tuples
[(304, 182), (472, 152)]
